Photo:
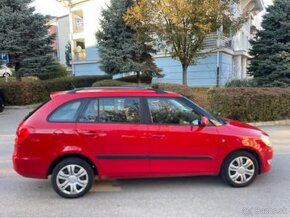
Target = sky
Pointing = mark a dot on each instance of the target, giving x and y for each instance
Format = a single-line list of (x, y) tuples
[(52, 7), (49, 7)]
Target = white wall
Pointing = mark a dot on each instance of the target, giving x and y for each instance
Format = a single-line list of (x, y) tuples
[(63, 32)]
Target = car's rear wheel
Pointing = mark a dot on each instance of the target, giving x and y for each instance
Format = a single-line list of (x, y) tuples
[(72, 178), (240, 169)]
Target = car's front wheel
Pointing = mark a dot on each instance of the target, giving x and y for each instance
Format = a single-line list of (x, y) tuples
[(6, 75), (72, 178), (240, 169), (1, 104)]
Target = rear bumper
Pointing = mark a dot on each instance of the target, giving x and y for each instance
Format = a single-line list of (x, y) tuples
[(29, 167)]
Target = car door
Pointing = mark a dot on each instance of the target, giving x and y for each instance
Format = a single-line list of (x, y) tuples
[(113, 130), (178, 143)]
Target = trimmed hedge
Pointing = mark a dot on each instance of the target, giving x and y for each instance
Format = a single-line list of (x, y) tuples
[(112, 83), (133, 79), (244, 104), (251, 104), (24, 93), (199, 95)]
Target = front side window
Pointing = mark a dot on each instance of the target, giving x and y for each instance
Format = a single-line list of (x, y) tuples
[(66, 112), (119, 110), (172, 111)]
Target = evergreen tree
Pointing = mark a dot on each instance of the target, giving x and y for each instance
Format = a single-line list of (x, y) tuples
[(24, 36), (120, 51), (68, 54), (271, 47)]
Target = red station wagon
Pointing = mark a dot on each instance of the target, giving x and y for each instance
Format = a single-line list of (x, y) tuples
[(129, 132)]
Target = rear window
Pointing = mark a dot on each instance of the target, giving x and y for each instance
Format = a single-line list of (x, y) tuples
[(66, 113)]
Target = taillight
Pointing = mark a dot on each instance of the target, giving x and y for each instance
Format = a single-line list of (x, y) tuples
[(23, 133)]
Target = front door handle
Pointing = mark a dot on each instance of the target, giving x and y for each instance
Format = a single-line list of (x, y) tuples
[(58, 132)]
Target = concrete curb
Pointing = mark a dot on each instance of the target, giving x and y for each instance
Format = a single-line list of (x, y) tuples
[(32, 106), (272, 123)]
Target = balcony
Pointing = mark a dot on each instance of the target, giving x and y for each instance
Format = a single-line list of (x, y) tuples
[(69, 3), (211, 42), (79, 51)]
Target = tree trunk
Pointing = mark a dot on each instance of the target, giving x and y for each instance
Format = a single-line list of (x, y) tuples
[(138, 78), (17, 74), (184, 75)]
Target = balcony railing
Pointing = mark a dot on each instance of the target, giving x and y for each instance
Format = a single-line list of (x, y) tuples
[(78, 24), (211, 42)]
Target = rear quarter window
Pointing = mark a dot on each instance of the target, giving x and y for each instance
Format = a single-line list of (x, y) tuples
[(67, 112)]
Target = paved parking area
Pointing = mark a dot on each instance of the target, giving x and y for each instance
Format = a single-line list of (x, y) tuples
[(269, 195)]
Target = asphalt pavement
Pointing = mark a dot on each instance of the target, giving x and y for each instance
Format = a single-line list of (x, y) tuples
[(198, 196)]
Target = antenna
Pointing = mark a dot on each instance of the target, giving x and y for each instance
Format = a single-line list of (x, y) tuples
[(73, 85)]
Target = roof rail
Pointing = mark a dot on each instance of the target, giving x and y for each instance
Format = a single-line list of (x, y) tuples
[(160, 91)]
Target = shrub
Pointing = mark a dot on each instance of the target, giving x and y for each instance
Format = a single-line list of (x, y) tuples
[(23, 93), (112, 83), (251, 104), (57, 73), (242, 83), (145, 78), (30, 92), (198, 95)]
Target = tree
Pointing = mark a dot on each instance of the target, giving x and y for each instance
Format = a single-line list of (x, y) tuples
[(68, 54), (120, 51), (182, 24), (24, 36), (271, 47)]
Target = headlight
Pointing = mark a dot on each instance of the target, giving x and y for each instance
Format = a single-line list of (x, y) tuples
[(266, 140)]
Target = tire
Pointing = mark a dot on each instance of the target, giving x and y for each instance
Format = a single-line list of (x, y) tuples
[(1, 105), (240, 169), (75, 175), (6, 75)]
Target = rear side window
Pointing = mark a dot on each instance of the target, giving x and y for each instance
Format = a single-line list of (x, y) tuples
[(91, 112), (119, 110), (66, 113)]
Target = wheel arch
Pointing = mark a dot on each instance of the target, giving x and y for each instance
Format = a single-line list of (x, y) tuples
[(254, 153), (72, 155)]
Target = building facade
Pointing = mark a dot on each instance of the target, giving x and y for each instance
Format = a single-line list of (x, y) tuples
[(60, 27), (222, 59)]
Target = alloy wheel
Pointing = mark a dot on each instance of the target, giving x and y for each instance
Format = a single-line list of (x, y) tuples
[(241, 170), (72, 179)]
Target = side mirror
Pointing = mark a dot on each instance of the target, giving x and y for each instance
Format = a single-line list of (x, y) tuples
[(204, 121)]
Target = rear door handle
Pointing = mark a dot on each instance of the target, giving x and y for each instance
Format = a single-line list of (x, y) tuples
[(88, 132), (92, 133), (158, 136)]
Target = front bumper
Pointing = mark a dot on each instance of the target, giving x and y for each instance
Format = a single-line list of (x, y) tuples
[(266, 159)]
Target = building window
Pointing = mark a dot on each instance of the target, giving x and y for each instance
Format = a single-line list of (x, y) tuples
[(80, 50), (78, 21)]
